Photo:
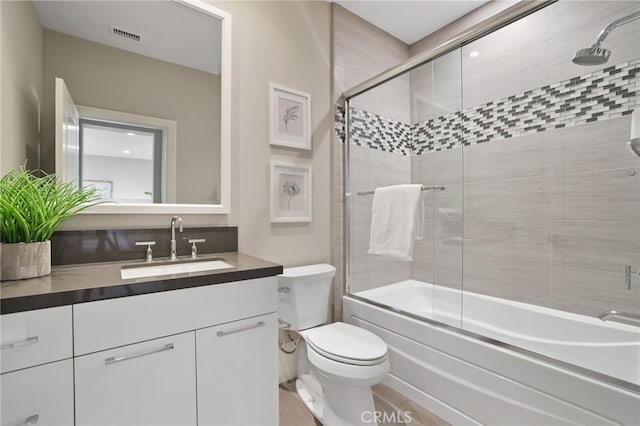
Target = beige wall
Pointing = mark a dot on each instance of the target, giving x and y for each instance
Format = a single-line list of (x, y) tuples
[(104, 77), (287, 43), (21, 87)]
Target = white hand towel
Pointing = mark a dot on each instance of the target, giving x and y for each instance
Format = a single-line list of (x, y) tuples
[(397, 216)]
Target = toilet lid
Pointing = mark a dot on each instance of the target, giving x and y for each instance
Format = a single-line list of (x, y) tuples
[(347, 343)]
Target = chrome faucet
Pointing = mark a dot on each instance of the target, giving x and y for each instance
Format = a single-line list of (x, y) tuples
[(173, 235)]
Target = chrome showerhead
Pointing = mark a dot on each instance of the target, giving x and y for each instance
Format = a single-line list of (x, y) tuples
[(594, 55)]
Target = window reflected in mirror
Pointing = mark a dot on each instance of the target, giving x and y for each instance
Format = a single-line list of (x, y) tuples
[(123, 161)]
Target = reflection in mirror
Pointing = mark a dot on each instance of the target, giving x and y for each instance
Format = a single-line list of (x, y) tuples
[(124, 161), (161, 60)]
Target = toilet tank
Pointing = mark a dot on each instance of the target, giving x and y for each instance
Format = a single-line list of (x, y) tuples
[(304, 295)]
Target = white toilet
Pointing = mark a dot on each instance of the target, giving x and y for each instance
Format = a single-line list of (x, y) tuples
[(337, 363)]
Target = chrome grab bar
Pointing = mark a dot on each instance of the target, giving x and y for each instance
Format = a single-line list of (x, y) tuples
[(624, 317), (27, 341), (114, 359), (226, 333)]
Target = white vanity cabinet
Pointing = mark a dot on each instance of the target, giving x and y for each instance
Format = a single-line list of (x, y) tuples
[(236, 374), (139, 360), (149, 383), (36, 384)]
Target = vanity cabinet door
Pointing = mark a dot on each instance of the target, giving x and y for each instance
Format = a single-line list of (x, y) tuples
[(35, 337), (149, 383), (238, 372), (40, 395)]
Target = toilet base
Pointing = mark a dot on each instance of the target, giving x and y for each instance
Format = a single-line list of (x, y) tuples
[(310, 393), (339, 409)]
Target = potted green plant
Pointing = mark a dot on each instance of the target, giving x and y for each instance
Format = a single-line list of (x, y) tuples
[(31, 208)]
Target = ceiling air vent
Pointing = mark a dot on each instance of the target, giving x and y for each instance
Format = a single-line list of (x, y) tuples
[(126, 34)]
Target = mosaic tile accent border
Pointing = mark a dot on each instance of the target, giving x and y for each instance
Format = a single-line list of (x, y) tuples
[(605, 94), (339, 123), (376, 132)]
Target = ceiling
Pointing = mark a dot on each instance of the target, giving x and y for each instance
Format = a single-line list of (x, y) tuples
[(169, 31), (114, 142), (410, 21)]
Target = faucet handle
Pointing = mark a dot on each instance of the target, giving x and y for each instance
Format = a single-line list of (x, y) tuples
[(194, 248), (149, 254)]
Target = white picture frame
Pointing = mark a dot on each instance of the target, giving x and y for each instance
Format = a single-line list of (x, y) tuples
[(289, 117), (104, 187), (291, 192)]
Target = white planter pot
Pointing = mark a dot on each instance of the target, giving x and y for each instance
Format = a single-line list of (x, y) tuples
[(21, 261)]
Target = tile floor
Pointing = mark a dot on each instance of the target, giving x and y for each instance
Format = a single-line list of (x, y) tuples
[(388, 401)]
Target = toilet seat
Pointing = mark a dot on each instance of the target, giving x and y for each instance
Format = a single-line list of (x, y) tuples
[(347, 344)]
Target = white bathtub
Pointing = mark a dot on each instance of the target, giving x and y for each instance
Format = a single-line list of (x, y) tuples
[(470, 380), (606, 347)]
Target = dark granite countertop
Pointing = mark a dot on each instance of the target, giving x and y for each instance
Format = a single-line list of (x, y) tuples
[(71, 284)]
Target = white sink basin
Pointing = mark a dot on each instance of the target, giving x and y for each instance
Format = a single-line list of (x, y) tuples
[(172, 267)]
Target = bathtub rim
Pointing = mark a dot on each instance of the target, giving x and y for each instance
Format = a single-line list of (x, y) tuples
[(591, 374)]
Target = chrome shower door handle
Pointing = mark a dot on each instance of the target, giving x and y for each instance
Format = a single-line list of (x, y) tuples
[(627, 275)]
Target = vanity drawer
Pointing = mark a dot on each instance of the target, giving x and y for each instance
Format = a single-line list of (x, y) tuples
[(117, 322), (35, 337), (40, 395)]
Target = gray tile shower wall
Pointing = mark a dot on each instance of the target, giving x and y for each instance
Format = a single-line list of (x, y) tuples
[(371, 271), (360, 51)]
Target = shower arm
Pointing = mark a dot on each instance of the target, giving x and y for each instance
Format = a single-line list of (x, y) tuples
[(625, 20)]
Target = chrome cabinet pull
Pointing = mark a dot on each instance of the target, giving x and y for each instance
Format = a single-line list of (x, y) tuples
[(27, 341), (31, 420), (226, 333), (284, 290), (113, 360)]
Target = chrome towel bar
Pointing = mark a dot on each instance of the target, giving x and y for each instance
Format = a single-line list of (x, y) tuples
[(424, 188)]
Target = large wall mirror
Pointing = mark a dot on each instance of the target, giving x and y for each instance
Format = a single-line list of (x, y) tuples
[(136, 98)]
